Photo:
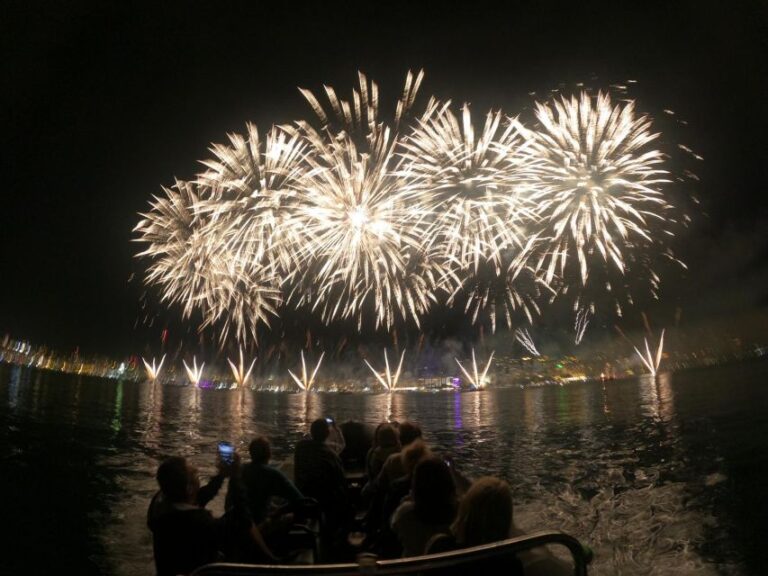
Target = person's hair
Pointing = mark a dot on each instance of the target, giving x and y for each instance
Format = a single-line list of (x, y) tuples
[(319, 430), (409, 431), (173, 478), (485, 513), (433, 491), (386, 437), (260, 450), (375, 442), (413, 454)]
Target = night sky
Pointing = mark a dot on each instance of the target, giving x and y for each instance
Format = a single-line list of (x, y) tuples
[(103, 102)]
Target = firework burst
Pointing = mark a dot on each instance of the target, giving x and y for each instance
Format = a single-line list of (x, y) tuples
[(361, 228), (374, 221), (599, 182)]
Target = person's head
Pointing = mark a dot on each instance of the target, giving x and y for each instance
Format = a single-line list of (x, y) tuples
[(260, 450), (319, 430), (413, 454), (409, 431), (178, 480), (387, 437), (485, 513), (433, 491)]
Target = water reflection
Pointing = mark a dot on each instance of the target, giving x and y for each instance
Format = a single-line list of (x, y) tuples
[(632, 467)]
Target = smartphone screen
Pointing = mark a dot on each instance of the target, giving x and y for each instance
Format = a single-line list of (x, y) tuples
[(227, 452)]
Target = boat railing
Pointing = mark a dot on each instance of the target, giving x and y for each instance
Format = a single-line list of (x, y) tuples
[(369, 564)]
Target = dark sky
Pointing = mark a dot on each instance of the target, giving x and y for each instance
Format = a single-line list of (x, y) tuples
[(103, 102)]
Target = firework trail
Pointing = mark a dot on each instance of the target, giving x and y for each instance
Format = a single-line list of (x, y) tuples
[(524, 338), (583, 316)]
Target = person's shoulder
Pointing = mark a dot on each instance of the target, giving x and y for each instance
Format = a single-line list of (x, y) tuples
[(303, 445), (271, 471), (403, 513), (390, 461), (441, 542), (406, 508)]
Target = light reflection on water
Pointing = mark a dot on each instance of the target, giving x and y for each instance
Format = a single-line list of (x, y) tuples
[(655, 475)]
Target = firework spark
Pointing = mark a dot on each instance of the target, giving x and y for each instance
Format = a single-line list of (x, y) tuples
[(387, 379), (239, 372), (306, 380), (477, 378), (153, 370), (583, 316), (524, 337)]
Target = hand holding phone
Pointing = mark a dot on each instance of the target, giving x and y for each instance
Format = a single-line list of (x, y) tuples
[(227, 453)]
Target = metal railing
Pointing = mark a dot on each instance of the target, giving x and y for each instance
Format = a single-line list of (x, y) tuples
[(370, 565)]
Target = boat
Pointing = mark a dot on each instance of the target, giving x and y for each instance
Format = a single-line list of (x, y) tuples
[(463, 559)]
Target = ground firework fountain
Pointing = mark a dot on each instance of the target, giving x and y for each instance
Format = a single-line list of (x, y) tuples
[(476, 378), (650, 361), (194, 373), (239, 372), (387, 379), (153, 370), (307, 380)]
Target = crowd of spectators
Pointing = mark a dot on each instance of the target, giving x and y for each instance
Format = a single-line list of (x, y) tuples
[(413, 502)]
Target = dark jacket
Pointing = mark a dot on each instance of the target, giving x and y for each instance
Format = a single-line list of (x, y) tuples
[(262, 483), (187, 536), (320, 475)]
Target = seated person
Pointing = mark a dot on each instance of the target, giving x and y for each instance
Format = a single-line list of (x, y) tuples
[(319, 474), (185, 535), (484, 516), (336, 440), (410, 457), (430, 508), (392, 469), (357, 442), (263, 482), (386, 441)]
